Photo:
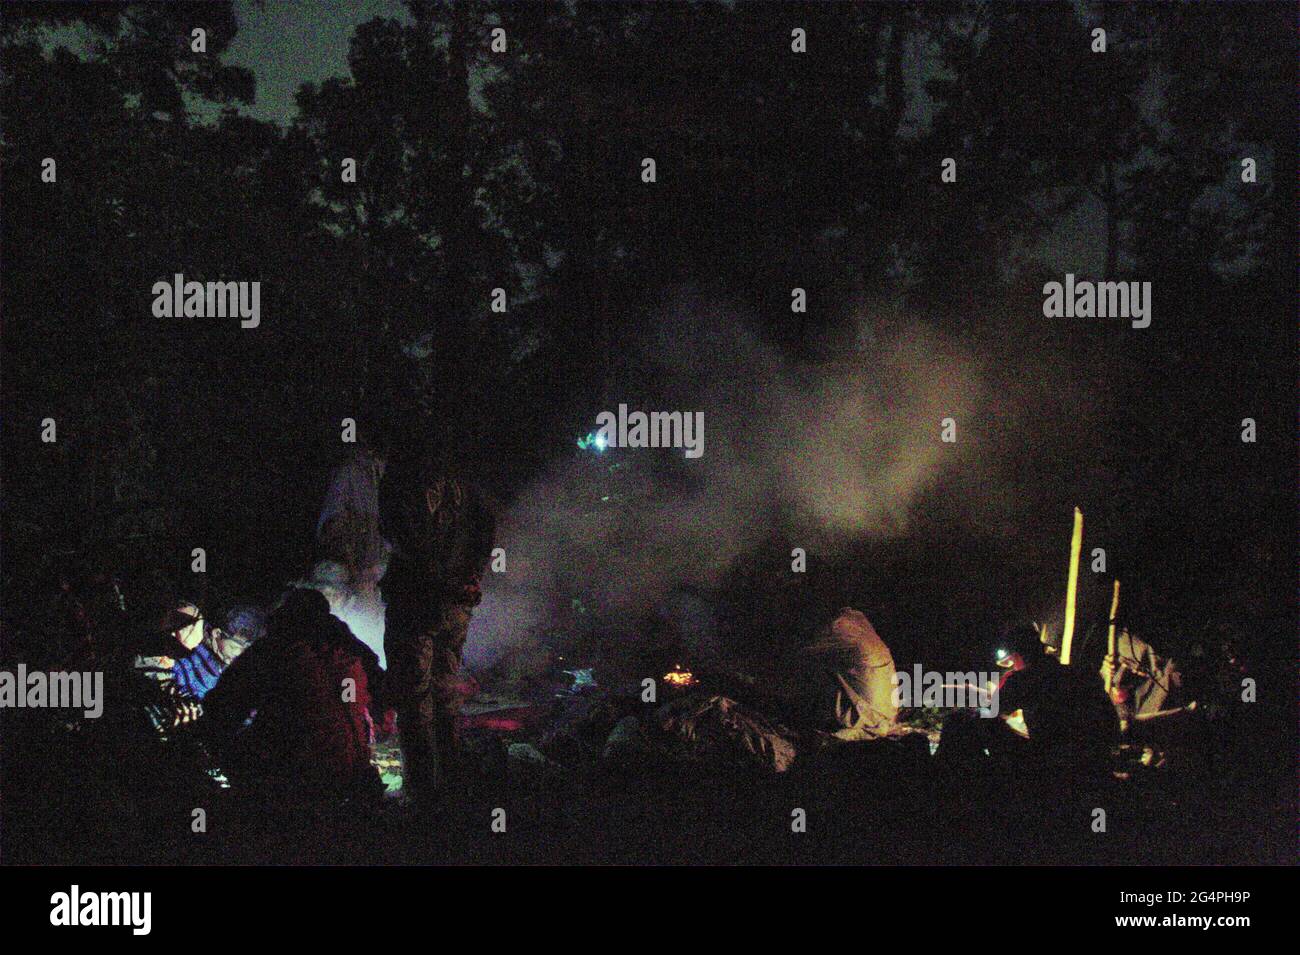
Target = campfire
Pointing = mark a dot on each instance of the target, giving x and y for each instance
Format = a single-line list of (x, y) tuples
[(679, 677)]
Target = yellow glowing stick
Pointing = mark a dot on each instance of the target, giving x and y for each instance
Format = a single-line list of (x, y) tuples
[(1072, 592), (1114, 611), (1110, 636)]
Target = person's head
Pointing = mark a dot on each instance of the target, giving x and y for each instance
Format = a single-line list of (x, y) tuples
[(246, 623), (244, 626), (182, 621), (1018, 647), (297, 611)]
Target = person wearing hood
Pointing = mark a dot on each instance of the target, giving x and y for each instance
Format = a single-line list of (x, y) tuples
[(858, 701), (292, 715)]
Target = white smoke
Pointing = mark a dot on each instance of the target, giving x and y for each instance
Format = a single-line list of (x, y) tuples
[(821, 453)]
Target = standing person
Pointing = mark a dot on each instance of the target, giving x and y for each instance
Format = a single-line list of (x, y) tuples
[(347, 531), (441, 529), (352, 553)]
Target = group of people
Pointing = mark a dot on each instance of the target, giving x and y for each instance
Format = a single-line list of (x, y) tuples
[(1052, 721), (283, 704)]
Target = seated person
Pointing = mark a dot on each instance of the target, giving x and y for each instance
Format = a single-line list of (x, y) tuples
[(1062, 713), (1054, 726), (292, 714), (857, 701), (156, 703), (174, 631), (217, 647)]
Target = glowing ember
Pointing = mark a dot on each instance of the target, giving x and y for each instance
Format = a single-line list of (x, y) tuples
[(680, 677)]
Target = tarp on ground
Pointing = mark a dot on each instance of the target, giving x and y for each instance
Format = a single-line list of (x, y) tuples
[(720, 724)]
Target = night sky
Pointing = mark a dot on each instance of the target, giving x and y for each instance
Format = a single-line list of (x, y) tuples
[(288, 44)]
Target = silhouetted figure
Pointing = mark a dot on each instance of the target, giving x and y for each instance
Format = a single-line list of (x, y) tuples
[(1071, 725), (291, 716), (1054, 728), (857, 701), (347, 531), (441, 530)]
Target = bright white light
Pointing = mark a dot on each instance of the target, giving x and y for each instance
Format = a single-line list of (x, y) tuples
[(600, 442), (365, 617)]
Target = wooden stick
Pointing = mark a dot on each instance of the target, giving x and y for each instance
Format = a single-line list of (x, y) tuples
[(1110, 634), (1165, 714), (1072, 590)]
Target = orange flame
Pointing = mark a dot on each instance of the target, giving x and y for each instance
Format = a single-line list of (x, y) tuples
[(679, 677)]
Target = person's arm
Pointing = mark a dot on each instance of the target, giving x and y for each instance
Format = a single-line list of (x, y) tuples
[(198, 672), (235, 695), (374, 680), (1011, 697)]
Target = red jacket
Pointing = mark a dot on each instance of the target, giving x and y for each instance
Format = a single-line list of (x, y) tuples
[(309, 698)]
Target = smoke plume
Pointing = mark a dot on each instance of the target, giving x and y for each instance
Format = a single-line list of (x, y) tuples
[(819, 453)]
